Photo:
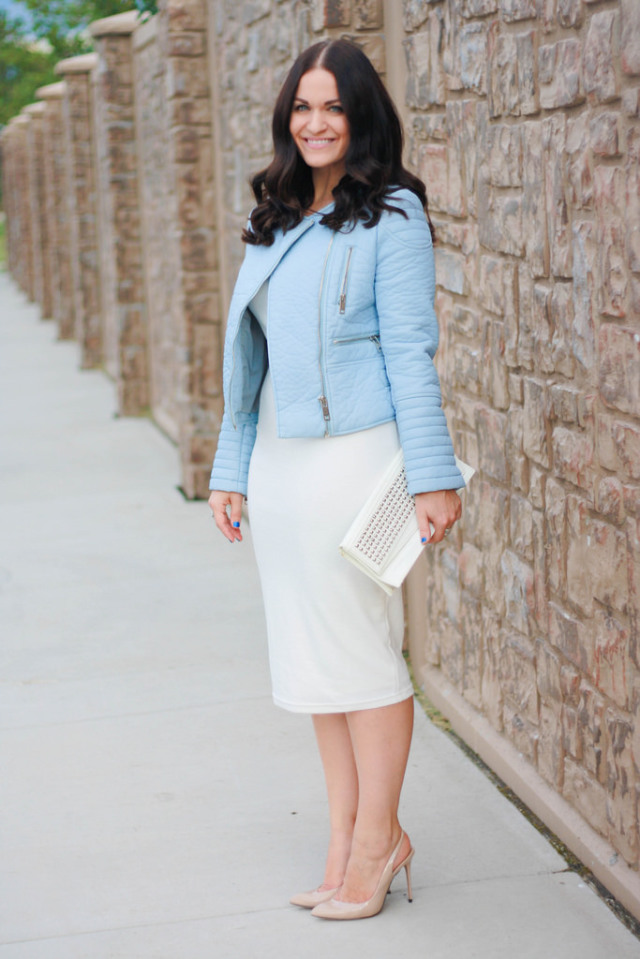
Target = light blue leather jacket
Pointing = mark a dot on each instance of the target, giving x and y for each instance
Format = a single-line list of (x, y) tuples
[(352, 334)]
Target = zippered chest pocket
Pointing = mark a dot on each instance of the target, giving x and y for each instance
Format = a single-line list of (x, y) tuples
[(344, 283)]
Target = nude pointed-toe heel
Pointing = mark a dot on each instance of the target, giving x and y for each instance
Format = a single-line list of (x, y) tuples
[(336, 909), (308, 900)]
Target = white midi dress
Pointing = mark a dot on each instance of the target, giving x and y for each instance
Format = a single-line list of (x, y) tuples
[(335, 638)]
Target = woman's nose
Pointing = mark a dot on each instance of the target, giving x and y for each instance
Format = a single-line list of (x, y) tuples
[(316, 121)]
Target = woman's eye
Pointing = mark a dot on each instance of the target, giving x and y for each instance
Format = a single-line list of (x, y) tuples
[(299, 107), (336, 108)]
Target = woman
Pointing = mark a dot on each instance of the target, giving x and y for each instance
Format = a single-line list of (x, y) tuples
[(338, 280)]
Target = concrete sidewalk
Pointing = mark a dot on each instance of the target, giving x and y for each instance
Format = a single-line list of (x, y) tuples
[(155, 804)]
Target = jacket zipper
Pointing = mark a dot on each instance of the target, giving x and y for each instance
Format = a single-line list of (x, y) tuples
[(233, 346), (345, 279), (322, 399), (356, 339)]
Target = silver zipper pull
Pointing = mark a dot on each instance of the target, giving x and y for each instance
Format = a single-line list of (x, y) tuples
[(325, 407), (343, 302)]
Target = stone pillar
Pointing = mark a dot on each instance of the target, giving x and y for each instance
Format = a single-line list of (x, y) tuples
[(83, 219), (120, 235), (57, 207), (190, 150), (21, 235), (37, 192)]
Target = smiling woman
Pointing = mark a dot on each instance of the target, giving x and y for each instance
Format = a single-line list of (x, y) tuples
[(328, 371)]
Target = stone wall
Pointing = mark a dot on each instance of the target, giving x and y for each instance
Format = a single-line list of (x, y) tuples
[(523, 117), (523, 120)]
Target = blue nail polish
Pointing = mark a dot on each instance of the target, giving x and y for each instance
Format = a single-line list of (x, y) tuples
[(424, 539), (237, 525)]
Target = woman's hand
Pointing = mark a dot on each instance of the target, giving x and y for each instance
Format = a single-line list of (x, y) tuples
[(227, 522), (441, 509)]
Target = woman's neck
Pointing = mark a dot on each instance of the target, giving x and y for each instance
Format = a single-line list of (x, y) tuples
[(324, 183)]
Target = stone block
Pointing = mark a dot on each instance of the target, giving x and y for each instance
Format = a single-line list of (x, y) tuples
[(609, 189), (490, 427), (600, 53), (592, 730), (513, 10), (612, 664), (521, 530), (535, 443), (603, 134), (415, 13), (548, 674), (630, 36), (519, 592), (571, 739), (500, 221), (187, 14), (512, 73), (433, 168), (559, 66), (497, 381), (580, 560), (477, 8), (619, 446), (570, 682), (586, 795), (619, 367), (584, 271), (631, 102), (608, 559), (461, 160), (197, 250), (450, 271), (186, 44), (558, 208), (472, 56), (471, 629), (621, 780), (368, 14), (518, 674), (632, 200), (578, 163), (609, 499), (518, 463), (425, 77), (186, 77), (471, 569), (534, 212), (505, 155), (523, 735), (573, 456), (550, 749), (564, 403), (492, 694), (570, 13)]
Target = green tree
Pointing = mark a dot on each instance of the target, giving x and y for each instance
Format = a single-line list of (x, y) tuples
[(63, 23), (24, 67)]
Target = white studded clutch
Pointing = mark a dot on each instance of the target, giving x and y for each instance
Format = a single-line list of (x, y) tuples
[(384, 540)]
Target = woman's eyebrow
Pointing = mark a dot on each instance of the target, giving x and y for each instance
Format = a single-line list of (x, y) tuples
[(327, 103)]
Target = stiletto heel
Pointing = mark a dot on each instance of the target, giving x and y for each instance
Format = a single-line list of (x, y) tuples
[(337, 909), (407, 870)]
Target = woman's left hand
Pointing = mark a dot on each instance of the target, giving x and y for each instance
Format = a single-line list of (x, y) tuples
[(440, 509)]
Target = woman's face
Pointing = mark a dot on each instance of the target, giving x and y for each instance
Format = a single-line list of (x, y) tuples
[(318, 125)]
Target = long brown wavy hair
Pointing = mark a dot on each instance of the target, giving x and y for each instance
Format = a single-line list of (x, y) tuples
[(284, 190)]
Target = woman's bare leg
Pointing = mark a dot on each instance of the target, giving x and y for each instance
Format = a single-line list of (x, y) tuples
[(341, 777), (380, 739)]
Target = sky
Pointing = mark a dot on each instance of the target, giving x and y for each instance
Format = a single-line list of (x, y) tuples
[(15, 9)]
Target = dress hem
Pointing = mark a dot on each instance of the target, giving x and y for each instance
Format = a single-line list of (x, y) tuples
[(318, 708)]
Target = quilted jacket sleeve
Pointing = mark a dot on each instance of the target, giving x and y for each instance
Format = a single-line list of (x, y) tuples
[(231, 462), (405, 291)]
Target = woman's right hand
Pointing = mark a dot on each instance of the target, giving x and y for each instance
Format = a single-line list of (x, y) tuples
[(227, 520)]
